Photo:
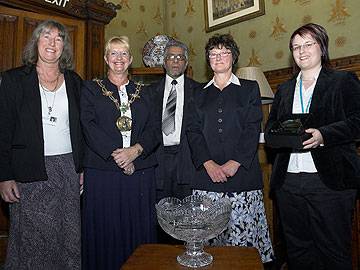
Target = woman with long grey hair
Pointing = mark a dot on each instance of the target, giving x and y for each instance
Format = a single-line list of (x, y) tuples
[(41, 148)]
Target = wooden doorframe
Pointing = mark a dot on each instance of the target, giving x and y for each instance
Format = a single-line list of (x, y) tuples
[(74, 25), (94, 13)]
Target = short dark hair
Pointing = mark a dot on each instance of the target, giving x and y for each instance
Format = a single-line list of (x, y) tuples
[(176, 43), (219, 41), (318, 33), (31, 54)]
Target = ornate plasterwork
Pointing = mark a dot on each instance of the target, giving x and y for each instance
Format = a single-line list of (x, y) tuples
[(192, 52), (303, 2), (112, 6), (252, 34), (278, 29), (339, 12), (279, 54), (254, 59), (307, 19), (174, 34), (158, 17), (190, 10), (125, 5), (123, 23), (340, 41), (141, 29)]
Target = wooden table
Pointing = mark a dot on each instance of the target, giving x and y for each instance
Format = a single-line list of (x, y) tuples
[(163, 257)]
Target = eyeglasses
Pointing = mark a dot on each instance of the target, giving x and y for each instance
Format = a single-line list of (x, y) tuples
[(175, 57), (122, 54), (222, 54), (305, 46)]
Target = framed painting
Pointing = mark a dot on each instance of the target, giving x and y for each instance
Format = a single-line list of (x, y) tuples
[(221, 13)]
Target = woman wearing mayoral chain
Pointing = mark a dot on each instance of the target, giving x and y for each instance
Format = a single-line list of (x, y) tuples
[(119, 190)]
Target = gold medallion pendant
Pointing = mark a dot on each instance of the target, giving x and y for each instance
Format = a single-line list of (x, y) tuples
[(124, 123)]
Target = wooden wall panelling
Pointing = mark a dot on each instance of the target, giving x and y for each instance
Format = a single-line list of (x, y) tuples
[(30, 22), (8, 32), (21, 30), (95, 49), (77, 35), (92, 16)]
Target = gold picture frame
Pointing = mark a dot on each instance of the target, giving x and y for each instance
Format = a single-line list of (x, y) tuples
[(220, 13)]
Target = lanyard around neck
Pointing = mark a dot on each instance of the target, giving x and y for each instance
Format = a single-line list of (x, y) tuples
[(302, 102)]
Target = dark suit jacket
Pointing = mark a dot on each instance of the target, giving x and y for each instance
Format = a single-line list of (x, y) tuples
[(21, 133), (98, 118), (335, 112), (226, 126), (185, 168)]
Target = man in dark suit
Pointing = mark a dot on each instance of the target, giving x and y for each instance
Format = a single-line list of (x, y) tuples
[(171, 95)]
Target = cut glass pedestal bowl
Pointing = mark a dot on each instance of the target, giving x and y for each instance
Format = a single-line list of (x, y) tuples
[(194, 220)]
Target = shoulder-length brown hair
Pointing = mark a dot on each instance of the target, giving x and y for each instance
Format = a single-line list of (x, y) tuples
[(31, 55)]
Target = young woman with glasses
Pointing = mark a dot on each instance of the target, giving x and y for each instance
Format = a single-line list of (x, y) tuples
[(316, 186)]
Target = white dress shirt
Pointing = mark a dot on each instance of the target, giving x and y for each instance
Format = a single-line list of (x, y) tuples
[(174, 138), (302, 162), (233, 79), (126, 135)]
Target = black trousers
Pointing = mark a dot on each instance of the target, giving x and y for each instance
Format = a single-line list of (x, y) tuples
[(316, 222), (171, 187)]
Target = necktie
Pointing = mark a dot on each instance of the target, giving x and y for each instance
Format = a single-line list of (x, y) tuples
[(168, 121)]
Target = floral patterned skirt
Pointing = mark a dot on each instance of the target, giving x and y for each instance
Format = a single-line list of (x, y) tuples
[(247, 226)]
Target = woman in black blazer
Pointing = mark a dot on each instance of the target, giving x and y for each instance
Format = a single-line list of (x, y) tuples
[(119, 189), (316, 186), (41, 149), (223, 134)]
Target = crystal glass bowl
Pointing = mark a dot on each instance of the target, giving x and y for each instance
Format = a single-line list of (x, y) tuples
[(194, 220)]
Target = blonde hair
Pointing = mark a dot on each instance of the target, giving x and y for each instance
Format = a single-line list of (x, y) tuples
[(121, 40)]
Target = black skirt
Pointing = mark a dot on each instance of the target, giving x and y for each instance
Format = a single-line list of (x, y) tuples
[(118, 215)]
